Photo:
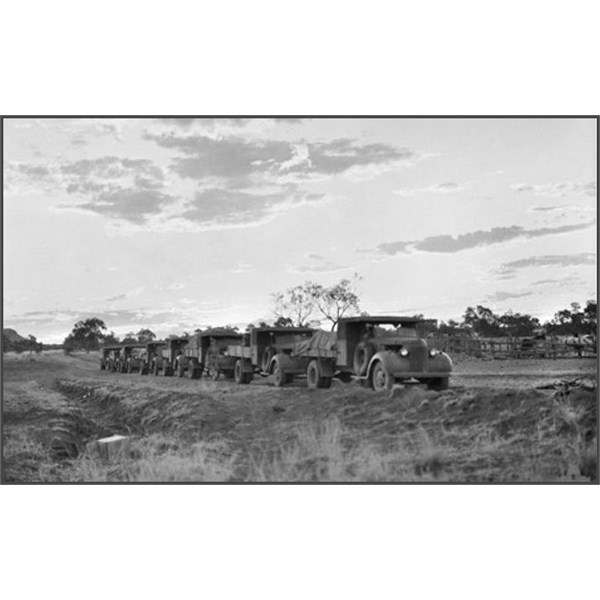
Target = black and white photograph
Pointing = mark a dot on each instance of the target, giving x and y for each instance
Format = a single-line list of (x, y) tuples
[(296, 299), (299, 300)]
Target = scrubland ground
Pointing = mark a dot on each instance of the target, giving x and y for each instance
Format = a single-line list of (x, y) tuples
[(492, 425)]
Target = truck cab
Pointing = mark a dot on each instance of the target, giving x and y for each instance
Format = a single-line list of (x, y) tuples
[(383, 350)]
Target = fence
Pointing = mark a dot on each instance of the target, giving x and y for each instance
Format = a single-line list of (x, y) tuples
[(513, 347)]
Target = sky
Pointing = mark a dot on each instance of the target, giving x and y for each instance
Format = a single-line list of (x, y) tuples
[(175, 224)]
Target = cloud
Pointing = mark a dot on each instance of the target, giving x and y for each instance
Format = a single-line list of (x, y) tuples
[(501, 296), (118, 297), (569, 188), (509, 269), (112, 167), (130, 204), (127, 189), (439, 188), (187, 123), (549, 208), (235, 157), (235, 207), (497, 235), (573, 277), (323, 267)]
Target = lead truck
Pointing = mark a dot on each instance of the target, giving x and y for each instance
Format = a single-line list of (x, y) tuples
[(379, 351)]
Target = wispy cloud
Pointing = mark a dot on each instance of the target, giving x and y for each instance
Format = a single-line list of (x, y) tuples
[(475, 239), (509, 269), (438, 188), (318, 264), (569, 188), (501, 296)]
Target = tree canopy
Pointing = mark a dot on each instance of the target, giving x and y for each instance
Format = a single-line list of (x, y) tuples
[(311, 302), (86, 335)]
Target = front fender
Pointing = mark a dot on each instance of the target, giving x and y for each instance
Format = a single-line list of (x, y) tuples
[(391, 362), (284, 361), (398, 366)]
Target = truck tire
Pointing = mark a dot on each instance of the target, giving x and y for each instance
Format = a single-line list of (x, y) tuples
[(238, 372), (281, 377), (362, 356), (380, 379), (267, 356), (192, 370), (314, 377)]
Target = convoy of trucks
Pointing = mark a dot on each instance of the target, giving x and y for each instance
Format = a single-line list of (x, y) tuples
[(378, 351)]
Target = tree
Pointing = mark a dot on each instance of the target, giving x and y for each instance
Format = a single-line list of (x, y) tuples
[(310, 301), (283, 322), (297, 304), (130, 338), (590, 317), (86, 335), (482, 321), (111, 338), (518, 325), (145, 336), (337, 301)]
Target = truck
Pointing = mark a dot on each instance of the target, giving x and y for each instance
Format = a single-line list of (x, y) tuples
[(207, 353), (169, 357), (130, 358), (151, 355), (379, 351), (109, 356), (268, 351)]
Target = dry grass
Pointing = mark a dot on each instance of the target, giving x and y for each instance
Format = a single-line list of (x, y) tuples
[(204, 431)]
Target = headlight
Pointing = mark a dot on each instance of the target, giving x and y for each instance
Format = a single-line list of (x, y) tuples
[(433, 353), (403, 352)]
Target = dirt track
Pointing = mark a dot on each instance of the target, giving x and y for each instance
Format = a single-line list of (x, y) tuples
[(483, 429)]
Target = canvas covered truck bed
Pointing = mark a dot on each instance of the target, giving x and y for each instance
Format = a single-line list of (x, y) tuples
[(322, 344)]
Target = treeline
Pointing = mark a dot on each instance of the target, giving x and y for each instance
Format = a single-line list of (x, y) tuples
[(483, 322), (29, 344), (314, 305)]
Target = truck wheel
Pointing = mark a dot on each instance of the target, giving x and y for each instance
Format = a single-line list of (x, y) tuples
[(238, 372), (129, 369), (380, 378), (167, 371), (315, 378), (268, 354), (439, 384), (362, 356), (281, 377)]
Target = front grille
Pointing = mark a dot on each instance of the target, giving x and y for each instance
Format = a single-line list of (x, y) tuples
[(418, 358)]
